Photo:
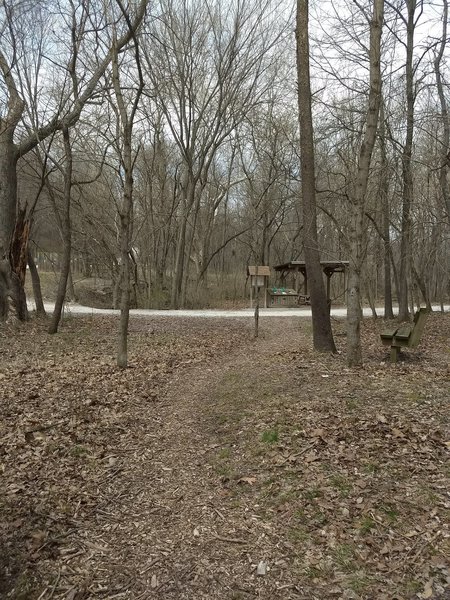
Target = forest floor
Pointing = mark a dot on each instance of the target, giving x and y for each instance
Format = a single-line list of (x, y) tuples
[(222, 467)]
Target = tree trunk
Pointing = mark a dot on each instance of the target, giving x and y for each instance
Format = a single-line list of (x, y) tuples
[(122, 350), (445, 141), (71, 294), (322, 333), (67, 236), (8, 197), (407, 195), (182, 253), (37, 292), (125, 249), (5, 286), (358, 197), (386, 221), (125, 121), (179, 263), (18, 262), (421, 283)]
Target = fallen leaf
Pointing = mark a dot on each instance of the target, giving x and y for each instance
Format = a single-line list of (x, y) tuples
[(262, 568), (249, 480)]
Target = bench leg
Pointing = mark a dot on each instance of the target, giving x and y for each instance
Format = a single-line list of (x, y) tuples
[(395, 351)]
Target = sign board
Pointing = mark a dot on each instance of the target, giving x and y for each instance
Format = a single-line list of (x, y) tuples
[(258, 280)]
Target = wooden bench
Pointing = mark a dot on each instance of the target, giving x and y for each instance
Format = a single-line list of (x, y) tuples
[(405, 336)]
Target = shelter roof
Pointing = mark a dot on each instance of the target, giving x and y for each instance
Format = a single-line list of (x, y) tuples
[(328, 266)]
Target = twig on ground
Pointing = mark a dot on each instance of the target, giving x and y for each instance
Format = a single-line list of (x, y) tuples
[(148, 567), (229, 539)]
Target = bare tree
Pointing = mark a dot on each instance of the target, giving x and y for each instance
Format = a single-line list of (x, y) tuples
[(358, 198), (322, 333), (445, 141), (66, 114), (66, 231), (414, 9), (125, 115), (207, 66)]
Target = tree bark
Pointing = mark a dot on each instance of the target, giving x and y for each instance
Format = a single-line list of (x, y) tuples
[(37, 292), (8, 194), (5, 286), (358, 198), (322, 332), (18, 262), (386, 221), (125, 122), (407, 194), (445, 141), (67, 236)]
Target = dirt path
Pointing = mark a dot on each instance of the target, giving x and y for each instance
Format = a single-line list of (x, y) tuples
[(193, 534)]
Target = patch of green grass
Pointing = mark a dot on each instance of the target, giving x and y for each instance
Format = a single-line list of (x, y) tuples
[(270, 436), (312, 493), (358, 582), (224, 470), (319, 519), (284, 497), (342, 484), (301, 516), (224, 453), (415, 396), (428, 496), (390, 512), (313, 572), (371, 468), (352, 403), (298, 534), (366, 525), (412, 587), (78, 451), (344, 557), (318, 572), (221, 464), (23, 587)]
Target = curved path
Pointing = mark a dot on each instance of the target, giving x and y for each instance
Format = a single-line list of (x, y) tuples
[(78, 309)]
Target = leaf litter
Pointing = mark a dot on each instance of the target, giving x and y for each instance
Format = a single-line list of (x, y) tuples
[(221, 467)]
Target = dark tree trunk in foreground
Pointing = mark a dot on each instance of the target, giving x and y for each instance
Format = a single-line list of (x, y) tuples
[(18, 257), (5, 285), (322, 333)]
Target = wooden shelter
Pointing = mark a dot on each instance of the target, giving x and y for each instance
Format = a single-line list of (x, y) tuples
[(259, 278), (294, 267)]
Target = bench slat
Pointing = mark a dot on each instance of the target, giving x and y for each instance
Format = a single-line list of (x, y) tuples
[(404, 332), (388, 334)]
